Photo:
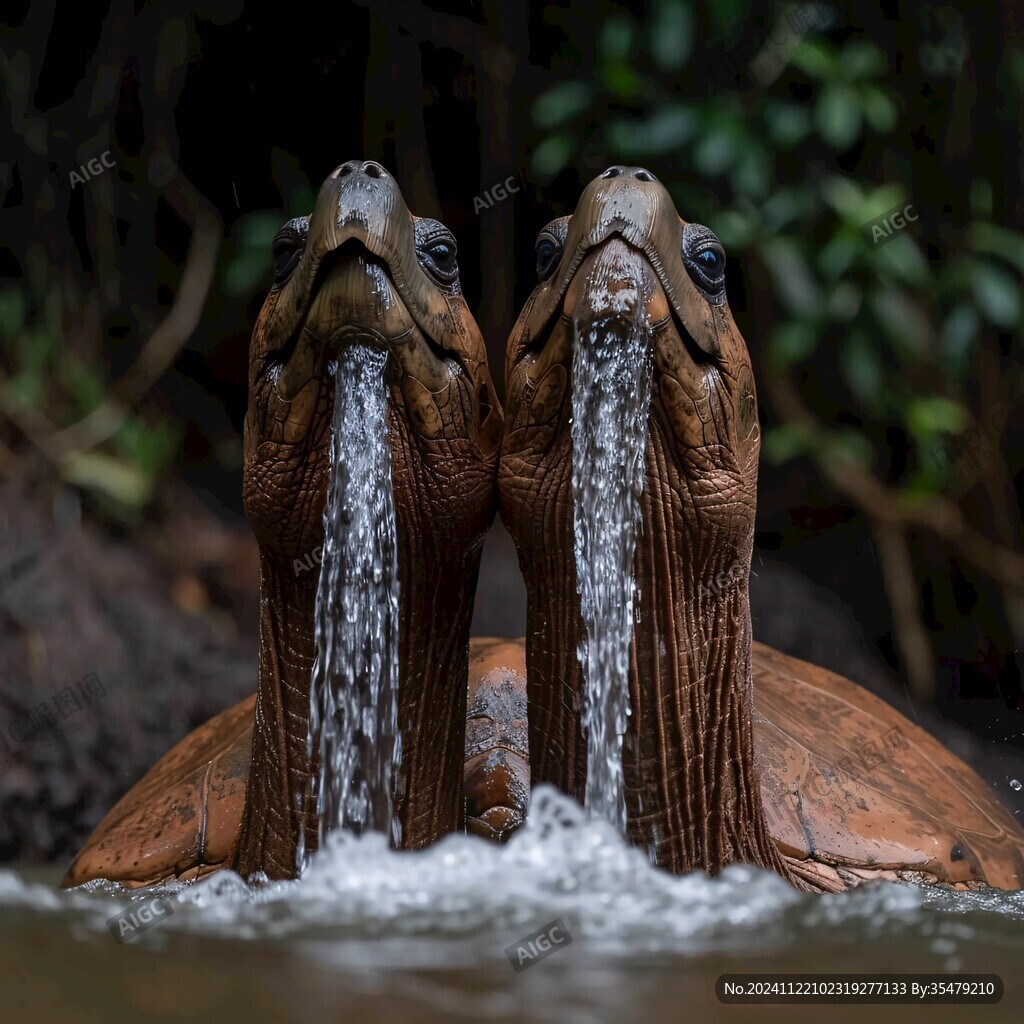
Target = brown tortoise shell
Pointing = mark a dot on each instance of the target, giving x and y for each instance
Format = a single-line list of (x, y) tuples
[(852, 789)]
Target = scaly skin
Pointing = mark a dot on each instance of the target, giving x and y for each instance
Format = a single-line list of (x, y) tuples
[(359, 269), (692, 789)]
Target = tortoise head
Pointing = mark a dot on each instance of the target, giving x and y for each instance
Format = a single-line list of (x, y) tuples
[(626, 254), (626, 270), (362, 271)]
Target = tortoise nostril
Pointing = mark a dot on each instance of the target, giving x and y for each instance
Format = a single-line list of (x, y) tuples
[(344, 169), (612, 172), (641, 175), (373, 170)]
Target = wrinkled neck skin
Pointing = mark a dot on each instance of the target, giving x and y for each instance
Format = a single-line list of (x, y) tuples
[(691, 785), (443, 425), (438, 564)]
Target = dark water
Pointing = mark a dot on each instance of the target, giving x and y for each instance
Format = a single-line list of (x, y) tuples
[(611, 395), (354, 690), (372, 935)]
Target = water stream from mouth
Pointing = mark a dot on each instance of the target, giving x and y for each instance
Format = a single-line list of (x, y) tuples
[(353, 722), (611, 394)]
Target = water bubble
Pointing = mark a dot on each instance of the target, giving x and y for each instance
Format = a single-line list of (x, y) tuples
[(1015, 784)]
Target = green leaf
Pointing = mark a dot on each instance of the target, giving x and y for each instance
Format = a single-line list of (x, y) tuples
[(671, 30), (727, 15), (869, 205), (621, 80), (959, 332), (932, 414), (670, 127), (794, 282), (86, 382), (245, 272), (845, 302), (861, 367), (903, 321), (787, 442), (551, 156), (847, 198), (837, 116), (837, 255), (257, 230), (996, 293), (901, 260), (12, 312), (735, 228), (1014, 56), (615, 39), (718, 149), (665, 131), (561, 103), (999, 241), (785, 206), (879, 108), (861, 59), (793, 342), (787, 123), (751, 174), (302, 201), (817, 59), (146, 446)]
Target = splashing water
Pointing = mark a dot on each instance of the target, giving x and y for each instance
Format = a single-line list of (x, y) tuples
[(386, 931), (611, 394), (353, 720)]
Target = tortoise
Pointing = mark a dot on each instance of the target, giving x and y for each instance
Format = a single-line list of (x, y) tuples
[(361, 270), (731, 751)]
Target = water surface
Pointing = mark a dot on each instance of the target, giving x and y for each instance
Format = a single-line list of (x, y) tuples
[(369, 934)]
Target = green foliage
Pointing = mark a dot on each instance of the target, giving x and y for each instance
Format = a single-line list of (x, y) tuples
[(892, 331), (47, 375), (248, 260)]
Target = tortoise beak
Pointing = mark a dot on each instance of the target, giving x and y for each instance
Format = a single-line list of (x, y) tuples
[(631, 204), (360, 265)]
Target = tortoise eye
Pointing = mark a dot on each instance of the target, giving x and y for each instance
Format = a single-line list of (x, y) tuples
[(710, 258), (288, 247), (548, 254), (440, 259), (705, 260), (286, 259)]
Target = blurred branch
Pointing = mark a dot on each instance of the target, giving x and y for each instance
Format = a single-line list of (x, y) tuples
[(889, 508), (33, 424), (173, 332), (901, 587), (105, 275)]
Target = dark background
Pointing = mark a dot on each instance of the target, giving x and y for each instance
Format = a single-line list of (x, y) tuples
[(129, 296)]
